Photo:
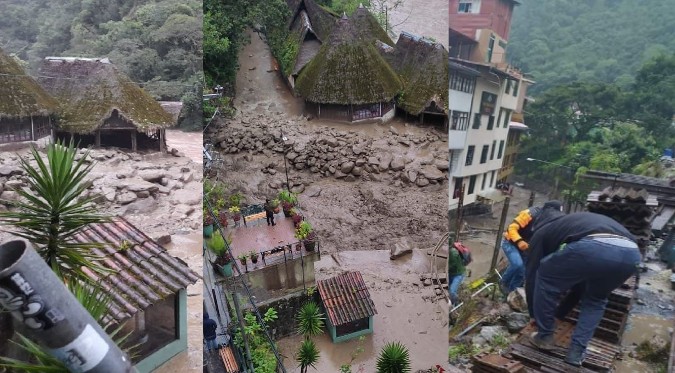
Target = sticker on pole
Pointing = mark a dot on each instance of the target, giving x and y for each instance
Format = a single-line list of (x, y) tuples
[(84, 353)]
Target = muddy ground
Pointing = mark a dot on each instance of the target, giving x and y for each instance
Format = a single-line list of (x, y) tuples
[(359, 220), (160, 194)]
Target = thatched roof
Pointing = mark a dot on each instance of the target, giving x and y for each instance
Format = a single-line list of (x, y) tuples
[(423, 67), (20, 95), (366, 26), (89, 90), (322, 20), (348, 68)]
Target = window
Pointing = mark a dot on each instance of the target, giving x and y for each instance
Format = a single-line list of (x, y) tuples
[(472, 184), (484, 153), (507, 90), (458, 188), (499, 118), (482, 185), (462, 83), (469, 6), (476, 121), (491, 47), (469, 155), (460, 120), (501, 149), (492, 178), (515, 88), (507, 118), (491, 122), (492, 152)]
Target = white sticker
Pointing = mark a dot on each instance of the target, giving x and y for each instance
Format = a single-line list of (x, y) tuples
[(84, 353)]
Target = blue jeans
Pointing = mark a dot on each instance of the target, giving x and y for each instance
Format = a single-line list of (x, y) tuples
[(598, 266), (514, 275), (453, 286), (211, 344)]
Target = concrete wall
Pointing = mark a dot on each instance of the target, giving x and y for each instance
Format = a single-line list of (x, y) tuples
[(287, 308), (283, 276)]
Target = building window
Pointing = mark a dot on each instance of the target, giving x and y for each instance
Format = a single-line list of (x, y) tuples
[(460, 120), (516, 84), (507, 90), (472, 184), (484, 153), (492, 151), (476, 121), (469, 155), (468, 6), (491, 47), (491, 122), (507, 118), (462, 83), (492, 179), (482, 185), (458, 188), (501, 149)]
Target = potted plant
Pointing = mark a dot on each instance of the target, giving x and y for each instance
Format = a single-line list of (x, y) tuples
[(275, 203), (254, 256), (223, 262), (208, 224), (288, 201), (297, 218), (242, 259), (235, 211), (222, 219), (306, 235)]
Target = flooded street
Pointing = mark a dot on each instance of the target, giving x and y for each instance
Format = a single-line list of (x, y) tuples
[(642, 328)]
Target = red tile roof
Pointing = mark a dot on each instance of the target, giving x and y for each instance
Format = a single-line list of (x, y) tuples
[(141, 275), (346, 298)]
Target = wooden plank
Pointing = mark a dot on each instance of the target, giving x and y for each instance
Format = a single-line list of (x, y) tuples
[(229, 361)]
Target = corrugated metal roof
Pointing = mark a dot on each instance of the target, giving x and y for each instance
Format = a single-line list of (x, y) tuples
[(143, 273), (346, 298)]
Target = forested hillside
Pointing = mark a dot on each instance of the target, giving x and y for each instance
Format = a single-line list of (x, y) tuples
[(561, 41), (156, 42)]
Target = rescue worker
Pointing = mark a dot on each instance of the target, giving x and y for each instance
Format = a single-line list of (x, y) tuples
[(515, 244), (590, 253)]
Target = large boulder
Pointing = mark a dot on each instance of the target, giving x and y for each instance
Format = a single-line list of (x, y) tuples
[(432, 173), (397, 164), (516, 321), (186, 197)]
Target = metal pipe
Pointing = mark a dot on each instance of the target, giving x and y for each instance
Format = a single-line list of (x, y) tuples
[(50, 315)]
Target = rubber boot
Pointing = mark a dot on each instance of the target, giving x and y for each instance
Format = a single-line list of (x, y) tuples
[(575, 355), (542, 343)]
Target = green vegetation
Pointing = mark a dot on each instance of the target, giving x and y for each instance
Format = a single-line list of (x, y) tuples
[(394, 358), (310, 320), (562, 41), (654, 354), (462, 350), (156, 43), (262, 355), (54, 210), (308, 355), (602, 127)]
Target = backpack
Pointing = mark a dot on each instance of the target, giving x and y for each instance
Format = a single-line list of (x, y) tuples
[(464, 252)]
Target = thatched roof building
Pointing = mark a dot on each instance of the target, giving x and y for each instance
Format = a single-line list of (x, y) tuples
[(25, 107), (102, 105), (348, 79), (423, 66)]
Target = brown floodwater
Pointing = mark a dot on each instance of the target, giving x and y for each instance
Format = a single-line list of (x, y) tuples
[(642, 328)]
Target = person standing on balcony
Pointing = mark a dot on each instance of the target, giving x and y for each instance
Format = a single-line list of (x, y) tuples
[(269, 213), (515, 245)]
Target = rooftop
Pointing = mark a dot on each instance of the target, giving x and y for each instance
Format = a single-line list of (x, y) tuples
[(346, 298)]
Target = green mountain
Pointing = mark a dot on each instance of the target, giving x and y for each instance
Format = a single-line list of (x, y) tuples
[(563, 41)]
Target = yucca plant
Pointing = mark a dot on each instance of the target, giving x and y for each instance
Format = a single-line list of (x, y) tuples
[(394, 358), (310, 320), (307, 356), (54, 209)]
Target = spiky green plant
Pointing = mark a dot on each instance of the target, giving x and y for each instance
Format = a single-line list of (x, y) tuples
[(394, 358), (310, 320), (307, 356), (53, 210)]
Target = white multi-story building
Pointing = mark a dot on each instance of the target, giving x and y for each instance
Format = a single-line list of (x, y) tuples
[(481, 101)]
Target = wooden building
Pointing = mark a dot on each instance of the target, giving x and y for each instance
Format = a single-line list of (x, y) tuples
[(348, 79), (26, 109), (99, 105)]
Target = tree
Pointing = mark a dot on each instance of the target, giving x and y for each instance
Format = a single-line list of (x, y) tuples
[(310, 320), (394, 358), (308, 355), (50, 216)]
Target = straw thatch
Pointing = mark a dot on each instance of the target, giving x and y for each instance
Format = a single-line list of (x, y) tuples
[(322, 20), (348, 68), (90, 90), (423, 67), (20, 95)]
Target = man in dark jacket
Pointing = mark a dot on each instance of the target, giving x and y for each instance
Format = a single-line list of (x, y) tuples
[(210, 326), (587, 251), (269, 212)]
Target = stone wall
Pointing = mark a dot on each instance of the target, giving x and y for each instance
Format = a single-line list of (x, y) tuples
[(287, 308)]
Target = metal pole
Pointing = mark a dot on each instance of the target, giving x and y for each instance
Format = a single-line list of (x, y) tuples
[(240, 317), (500, 231), (288, 184)]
